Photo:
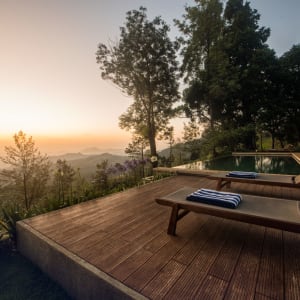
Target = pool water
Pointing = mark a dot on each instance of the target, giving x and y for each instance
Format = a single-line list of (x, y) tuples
[(255, 163)]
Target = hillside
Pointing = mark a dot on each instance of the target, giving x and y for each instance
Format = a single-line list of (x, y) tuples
[(87, 163), (67, 157), (178, 149)]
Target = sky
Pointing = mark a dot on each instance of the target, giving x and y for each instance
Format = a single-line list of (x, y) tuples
[(50, 84)]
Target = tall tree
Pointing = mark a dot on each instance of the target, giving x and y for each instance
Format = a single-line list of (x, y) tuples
[(63, 179), (137, 147), (28, 170), (191, 136), (143, 64), (271, 112), (202, 59), (101, 177), (244, 44), (290, 63)]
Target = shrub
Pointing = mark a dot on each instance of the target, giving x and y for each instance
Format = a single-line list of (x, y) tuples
[(10, 214)]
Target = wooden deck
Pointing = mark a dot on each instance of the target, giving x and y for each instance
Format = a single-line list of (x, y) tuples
[(124, 237)]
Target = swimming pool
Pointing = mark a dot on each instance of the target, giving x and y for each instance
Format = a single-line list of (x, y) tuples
[(253, 163)]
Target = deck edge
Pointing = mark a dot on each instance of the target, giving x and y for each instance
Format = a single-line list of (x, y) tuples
[(80, 279)]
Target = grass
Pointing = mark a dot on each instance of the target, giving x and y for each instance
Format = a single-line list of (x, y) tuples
[(20, 279)]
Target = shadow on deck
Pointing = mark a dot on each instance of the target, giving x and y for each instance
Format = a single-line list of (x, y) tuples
[(116, 247)]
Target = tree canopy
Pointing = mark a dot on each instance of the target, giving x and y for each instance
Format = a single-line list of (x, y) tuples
[(143, 65), (233, 82), (29, 170)]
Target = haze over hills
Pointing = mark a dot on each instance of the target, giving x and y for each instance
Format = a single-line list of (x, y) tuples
[(96, 150), (88, 163), (87, 159)]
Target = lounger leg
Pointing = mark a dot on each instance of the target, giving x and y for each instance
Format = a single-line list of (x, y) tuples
[(219, 185), (175, 216), (173, 220)]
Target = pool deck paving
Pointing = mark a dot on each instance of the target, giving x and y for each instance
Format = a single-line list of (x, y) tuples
[(116, 247)]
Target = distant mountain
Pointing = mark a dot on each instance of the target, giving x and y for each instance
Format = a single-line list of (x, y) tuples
[(91, 150), (87, 163), (177, 149), (67, 157), (96, 150)]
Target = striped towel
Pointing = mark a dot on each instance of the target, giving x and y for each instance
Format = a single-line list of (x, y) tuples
[(241, 174), (229, 200)]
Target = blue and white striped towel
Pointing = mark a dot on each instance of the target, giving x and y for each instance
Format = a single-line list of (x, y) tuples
[(229, 200), (242, 174)]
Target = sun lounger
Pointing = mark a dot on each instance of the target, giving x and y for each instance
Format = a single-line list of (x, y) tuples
[(265, 179), (271, 212)]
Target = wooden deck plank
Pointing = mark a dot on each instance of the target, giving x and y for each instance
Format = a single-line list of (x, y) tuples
[(113, 254), (90, 245), (157, 242), (144, 227), (210, 250), (210, 258), (117, 255), (224, 265), (140, 278), (261, 297), (187, 285), (124, 269), (270, 278), (187, 253), (159, 286), (82, 235), (243, 282), (194, 276), (212, 288), (292, 265)]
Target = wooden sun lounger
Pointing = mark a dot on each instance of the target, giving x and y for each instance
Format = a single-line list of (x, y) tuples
[(264, 179), (271, 212)]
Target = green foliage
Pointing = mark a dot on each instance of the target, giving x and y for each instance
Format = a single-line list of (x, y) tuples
[(244, 43), (109, 179), (28, 171), (63, 181), (201, 27), (220, 142), (143, 64), (11, 214), (290, 63), (137, 147), (202, 59), (181, 154), (233, 78), (101, 177)]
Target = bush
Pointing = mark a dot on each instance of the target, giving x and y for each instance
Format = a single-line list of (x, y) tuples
[(11, 214), (108, 180)]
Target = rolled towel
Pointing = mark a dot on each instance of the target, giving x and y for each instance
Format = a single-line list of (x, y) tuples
[(228, 200), (242, 174)]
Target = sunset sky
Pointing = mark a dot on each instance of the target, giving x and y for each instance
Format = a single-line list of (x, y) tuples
[(50, 84)]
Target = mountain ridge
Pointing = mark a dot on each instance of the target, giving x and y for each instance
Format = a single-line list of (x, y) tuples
[(87, 164)]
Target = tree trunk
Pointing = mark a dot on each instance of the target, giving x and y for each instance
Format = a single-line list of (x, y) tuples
[(152, 134), (153, 152), (273, 142), (26, 200), (152, 145)]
